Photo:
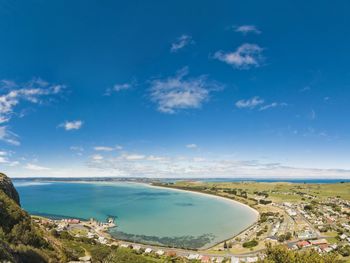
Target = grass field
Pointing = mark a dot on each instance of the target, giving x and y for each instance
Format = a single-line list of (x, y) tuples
[(279, 191)]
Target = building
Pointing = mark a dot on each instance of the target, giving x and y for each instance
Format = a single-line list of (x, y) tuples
[(302, 244), (318, 242), (102, 240), (193, 256), (148, 250), (308, 234), (205, 259), (136, 247)]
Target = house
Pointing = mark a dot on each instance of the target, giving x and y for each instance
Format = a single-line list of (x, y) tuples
[(327, 249), (219, 259), (73, 221), (90, 235), (193, 256), (171, 254), (160, 252), (306, 235), (235, 260), (148, 250), (333, 246), (124, 245), (302, 244), (85, 258), (205, 259), (343, 236), (251, 259), (292, 245), (318, 242), (136, 247), (102, 240)]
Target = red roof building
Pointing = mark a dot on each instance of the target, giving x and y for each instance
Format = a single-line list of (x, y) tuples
[(302, 244)]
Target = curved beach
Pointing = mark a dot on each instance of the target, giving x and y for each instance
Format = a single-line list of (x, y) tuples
[(144, 213), (209, 195)]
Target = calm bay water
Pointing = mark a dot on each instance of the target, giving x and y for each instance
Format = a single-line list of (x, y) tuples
[(143, 213)]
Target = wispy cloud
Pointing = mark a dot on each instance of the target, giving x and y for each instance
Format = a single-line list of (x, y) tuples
[(77, 149), (133, 157), (259, 103), (178, 92), (167, 166), (120, 87), (97, 157), (71, 125), (312, 115), (191, 146), (181, 42), (272, 105), (103, 148), (249, 103), (246, 29), (244, 57), (35, 167), (7, 136)]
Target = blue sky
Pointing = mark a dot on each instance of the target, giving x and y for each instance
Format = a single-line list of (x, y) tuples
[(175, 88)]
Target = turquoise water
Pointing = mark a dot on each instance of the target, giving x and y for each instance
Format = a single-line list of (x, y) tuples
[(143, 213)]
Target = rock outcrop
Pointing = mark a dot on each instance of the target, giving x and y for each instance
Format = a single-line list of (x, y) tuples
[(7, 187)]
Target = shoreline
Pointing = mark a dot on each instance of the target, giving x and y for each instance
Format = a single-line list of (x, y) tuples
[(208, 195), (256, 212)]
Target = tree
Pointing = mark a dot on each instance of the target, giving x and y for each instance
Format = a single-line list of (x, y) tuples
[(280, 254), (250, 244), (288, 235)]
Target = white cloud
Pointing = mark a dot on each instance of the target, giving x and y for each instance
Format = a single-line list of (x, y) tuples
[(181, 42), (245, 56), (35, 167), (191, 146), (176, 93), (33, 91), (245, 29), (71, 125), (249, 103), (119, 147), (36, 91), (103, 148)]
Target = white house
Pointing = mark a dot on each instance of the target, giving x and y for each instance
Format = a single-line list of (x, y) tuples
[(148, 250)]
